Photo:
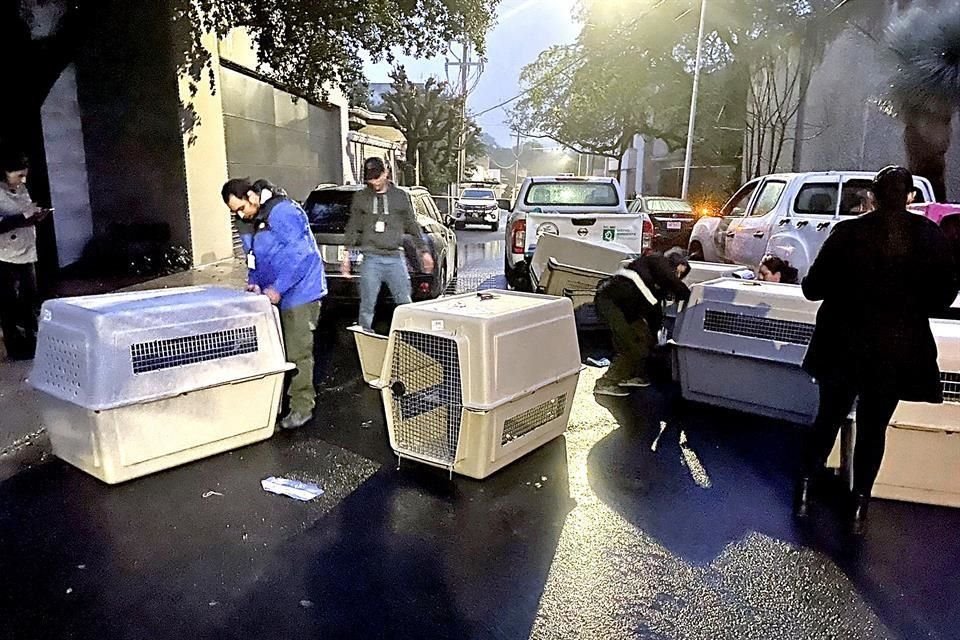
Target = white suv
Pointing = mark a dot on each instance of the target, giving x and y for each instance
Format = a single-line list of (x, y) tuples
[(477, 206)]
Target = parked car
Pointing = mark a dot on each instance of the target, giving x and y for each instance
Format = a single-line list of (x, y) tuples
[(591, 209), (328, 209), (477, 206), (672, 220), (789, 215)]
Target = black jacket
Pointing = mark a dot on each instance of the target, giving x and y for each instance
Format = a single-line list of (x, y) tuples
[(881, 277), (660, 278)]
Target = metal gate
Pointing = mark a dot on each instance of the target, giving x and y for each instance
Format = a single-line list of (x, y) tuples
[(427, 396)]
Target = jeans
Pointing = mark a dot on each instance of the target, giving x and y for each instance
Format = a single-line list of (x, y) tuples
[(298, 324), (376, 271)]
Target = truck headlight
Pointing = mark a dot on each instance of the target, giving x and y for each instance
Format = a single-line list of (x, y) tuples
[(547, 227)]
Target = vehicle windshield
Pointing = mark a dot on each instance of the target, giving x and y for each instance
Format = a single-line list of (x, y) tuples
[(601, 194), (669, 207), (477, 194), (328, 210)]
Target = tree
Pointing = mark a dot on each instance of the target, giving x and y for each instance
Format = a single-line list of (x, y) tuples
[(925, 89), (307, 44), (431, 118)]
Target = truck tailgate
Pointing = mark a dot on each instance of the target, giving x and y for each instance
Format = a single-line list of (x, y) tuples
[(624, 229)]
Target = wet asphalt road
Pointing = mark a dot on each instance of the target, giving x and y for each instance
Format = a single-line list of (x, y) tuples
[(635, 532)]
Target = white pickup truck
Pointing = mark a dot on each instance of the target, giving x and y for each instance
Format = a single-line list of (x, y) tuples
[(788, 215), (591, 209)]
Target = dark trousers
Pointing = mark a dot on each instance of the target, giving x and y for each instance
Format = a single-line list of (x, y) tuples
[(18, 309), (874, 410), (632, 342)]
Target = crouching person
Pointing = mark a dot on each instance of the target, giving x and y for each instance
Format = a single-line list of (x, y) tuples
[(284, 264), (630, 303)]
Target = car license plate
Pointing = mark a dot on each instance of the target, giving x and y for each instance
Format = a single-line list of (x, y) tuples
[(674, 225)]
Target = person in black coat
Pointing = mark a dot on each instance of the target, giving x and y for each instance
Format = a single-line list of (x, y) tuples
[(629, 302), (872, 342)]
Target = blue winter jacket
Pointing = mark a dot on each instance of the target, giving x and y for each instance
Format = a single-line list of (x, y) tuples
[(285, 254)]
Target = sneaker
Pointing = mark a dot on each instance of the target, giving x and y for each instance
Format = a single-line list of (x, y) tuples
[(635, 383), (609, 389), (295, 420)]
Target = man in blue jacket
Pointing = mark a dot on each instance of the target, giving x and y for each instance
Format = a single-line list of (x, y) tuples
[(284, 264)]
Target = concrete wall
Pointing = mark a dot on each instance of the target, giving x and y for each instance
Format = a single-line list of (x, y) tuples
[(67, 168), (845, 125), (129, 97)]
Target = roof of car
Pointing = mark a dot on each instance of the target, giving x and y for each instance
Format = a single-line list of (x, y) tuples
[(595, 179), (869, 175)]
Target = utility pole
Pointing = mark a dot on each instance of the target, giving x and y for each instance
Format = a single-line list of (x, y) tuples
[(688, 159), (516, 168), (464, 65)]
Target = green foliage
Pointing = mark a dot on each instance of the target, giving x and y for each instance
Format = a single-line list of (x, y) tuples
[(631, 71), (310, 44), (431, 118)]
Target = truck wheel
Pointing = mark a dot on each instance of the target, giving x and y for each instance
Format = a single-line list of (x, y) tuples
[(696, 251)]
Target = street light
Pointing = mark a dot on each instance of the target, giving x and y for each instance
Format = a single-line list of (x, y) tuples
[(685, 191)]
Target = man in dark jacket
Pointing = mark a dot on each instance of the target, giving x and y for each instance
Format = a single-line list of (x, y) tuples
[(284, 264), (380, 215), (630, 303), (881, 277)]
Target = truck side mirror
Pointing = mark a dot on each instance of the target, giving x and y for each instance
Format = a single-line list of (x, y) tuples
[(505, 204)]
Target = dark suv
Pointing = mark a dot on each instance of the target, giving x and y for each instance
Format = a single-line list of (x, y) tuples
[(328, 209)]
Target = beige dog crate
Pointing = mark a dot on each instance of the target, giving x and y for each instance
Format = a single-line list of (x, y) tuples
[(922, 458), (740, 345), (134, 383), (576, 265), (706, 271), (473, 382)]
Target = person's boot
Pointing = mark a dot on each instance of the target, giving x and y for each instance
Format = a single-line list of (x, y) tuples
[(801, 498), (858, 521)]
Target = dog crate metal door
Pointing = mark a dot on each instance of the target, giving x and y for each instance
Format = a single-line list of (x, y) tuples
[(427, 396)]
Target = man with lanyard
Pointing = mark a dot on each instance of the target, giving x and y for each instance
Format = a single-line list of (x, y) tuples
[(284, 264), (380, 215)]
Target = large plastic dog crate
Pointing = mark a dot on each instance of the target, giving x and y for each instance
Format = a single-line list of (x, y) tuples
[(706, 271), (134, 383), (740, 345), (922, 458), (470, 383), (560, 264)]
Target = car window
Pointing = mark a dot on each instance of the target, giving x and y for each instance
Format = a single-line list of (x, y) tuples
[(432, 210), (768, 198), (328, 210), (817, 199), (737, 206), (478, 194), (602, 194), (420, 207), (855, 197), (636, 206), (668, 207)]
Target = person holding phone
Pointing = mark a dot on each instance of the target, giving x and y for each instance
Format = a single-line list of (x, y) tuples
[(19, 215)]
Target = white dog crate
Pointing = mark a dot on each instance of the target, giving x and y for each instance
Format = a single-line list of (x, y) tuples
[(922, 458), (740, 345), (706, 271), (470, 383), (564, 263), (138, 382)]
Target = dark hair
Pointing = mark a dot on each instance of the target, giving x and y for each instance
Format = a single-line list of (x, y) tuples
[(237, 187), (951, 228), (788, 275), (891, 187), (677, 257), (11, 161), (373, 168)]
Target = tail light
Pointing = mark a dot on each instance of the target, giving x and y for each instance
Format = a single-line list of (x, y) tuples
[(424, 287), (647, 239), (518, 235)]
